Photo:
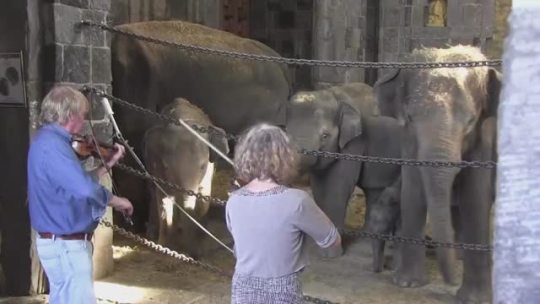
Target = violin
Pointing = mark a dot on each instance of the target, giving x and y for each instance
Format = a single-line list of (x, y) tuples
[(86, 146)]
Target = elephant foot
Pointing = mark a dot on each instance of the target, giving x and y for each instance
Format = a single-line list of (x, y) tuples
[(332, 252), (376, 268), (406, 281), (466, 295)]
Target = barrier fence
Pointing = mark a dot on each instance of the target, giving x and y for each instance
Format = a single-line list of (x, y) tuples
[(360, 158)]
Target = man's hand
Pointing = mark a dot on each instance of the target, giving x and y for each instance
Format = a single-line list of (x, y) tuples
[(120, 151), (121, 204)]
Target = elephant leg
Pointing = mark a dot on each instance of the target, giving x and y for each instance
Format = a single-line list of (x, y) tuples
[(476, 195), (396, 253), (152, 229), (411, 271), (377, 248), (372, 195), (376, 221), (332, 190), (166, 222), (190, 237), (456, 223)]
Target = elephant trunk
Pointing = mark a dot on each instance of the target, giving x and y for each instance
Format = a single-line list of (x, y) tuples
[(306, 162), (438, 184)]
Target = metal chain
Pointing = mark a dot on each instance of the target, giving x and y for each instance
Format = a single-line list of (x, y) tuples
[(102, 300), (402, 162), (324, 154), (164, 250), (141, 174), (352, 233), (295, 61), (317, 300), (424, 242), (163, 117)]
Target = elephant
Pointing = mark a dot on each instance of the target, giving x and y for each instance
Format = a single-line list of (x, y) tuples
[(384, 218), (177, 156), (234, 94), (449, 114), (343, 119)]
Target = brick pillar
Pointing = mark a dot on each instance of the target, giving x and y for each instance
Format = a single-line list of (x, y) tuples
[(339, 28), (516, 277), (77, 56)]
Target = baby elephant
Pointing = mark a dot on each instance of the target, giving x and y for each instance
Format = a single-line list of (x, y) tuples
[(384, 218), (172, 153)]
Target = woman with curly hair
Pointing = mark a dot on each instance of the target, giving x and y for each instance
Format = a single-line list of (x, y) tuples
[(268, 220)]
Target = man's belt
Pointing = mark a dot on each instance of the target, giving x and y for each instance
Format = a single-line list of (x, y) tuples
[(74, 236)]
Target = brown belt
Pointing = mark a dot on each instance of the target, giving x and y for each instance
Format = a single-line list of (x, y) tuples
[(74, 236)]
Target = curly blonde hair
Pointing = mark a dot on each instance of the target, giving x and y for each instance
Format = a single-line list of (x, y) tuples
[(265, 152)]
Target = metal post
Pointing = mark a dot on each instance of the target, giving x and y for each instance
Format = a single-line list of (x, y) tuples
[(516, 275)]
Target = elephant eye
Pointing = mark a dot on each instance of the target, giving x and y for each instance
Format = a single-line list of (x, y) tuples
[(325, 135)]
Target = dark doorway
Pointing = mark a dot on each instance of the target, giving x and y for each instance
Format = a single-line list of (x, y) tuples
[(14, 138), (236, 17), (372, 39), (286, 26)]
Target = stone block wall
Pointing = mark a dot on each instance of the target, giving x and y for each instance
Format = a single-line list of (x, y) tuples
[(207, 12), (339, 34), (77, 55), (285, 26), (403, 26)]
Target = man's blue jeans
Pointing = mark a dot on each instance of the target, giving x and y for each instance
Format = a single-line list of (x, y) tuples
[(68, 265)]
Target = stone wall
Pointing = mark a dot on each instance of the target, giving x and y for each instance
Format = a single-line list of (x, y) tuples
[(502, 11), (517, 210), (405, 26), (339, 34), (207, 12), (76, 55)]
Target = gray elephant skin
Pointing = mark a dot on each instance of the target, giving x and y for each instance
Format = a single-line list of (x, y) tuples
[(449, 115), (343, 119), (174, 154), (384, 218), (234, 93)]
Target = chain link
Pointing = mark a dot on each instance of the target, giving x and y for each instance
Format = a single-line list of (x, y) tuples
[(296, 61), (102, 300), (164, 250), (352, 233), (402, 162), (317, 300), (141, 174), (419, 242)]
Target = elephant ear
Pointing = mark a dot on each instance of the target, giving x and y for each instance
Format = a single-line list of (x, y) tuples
[(350, 124), (387, 91), (493, 88), (218, 138)]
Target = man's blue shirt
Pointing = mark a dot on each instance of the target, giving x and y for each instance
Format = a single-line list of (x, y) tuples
[(62, 197)]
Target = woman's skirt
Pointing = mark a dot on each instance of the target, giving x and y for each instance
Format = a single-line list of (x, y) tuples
[(254, 290)]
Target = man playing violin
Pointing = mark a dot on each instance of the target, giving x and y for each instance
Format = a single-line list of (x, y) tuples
[(66, 202)]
